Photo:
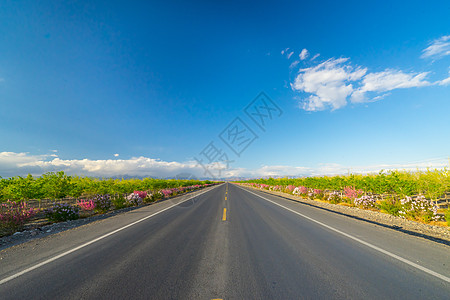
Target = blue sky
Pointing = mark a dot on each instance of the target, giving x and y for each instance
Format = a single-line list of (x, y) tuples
[(121, 87)]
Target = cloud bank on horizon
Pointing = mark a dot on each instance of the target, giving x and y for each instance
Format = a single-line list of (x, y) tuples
[(21, 164), (334, 83)]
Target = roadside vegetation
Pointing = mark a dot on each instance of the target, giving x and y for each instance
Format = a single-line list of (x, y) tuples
[(411, 195), (73, 197)]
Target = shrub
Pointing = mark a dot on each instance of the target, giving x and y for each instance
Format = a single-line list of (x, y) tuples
[(264, 186), (166, 193), (334, 197), (102, 203), (157, 196), (277, 188), (318, 194), (365, 201), (390, 206), (447, 216), (141, 194), (62, 212), (86, 205), (150, 197), (300, 190), (352, 193), (134, 200), (14, 215), (118, 201), (419, 208), (290, 188)]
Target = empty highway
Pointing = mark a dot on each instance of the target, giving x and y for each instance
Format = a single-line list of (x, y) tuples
[(227, 242)]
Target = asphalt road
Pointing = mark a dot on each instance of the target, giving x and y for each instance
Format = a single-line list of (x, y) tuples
[(227, 243)]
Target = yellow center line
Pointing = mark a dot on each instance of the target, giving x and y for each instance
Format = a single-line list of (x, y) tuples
[(224, 218)]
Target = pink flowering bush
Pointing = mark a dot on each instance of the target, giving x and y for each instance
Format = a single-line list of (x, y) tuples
[(14, 215), (166, 193), (86, 205), (290, 188), (141, 194), (300, 190), (277, 188), (352, 193)]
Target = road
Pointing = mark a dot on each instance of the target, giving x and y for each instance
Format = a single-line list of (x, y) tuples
[(227, 243)]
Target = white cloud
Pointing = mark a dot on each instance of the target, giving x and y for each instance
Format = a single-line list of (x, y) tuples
[(380, 97), (12, 159), (116, 155), (335, 82), (445, 81), (438, 48), (328, 82), (388, 80), (393, 79), (14, 164), (135, 166), (304, 54), (315, 56), (294, 64), (288, 53)]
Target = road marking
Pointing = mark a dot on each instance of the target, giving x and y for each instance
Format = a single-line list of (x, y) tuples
[(426, 270), (93, 241), (224, 217)]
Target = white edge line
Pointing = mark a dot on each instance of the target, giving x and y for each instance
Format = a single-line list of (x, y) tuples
[(94, 240), (426, 270)]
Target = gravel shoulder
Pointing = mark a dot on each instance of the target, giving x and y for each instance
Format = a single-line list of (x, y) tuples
[(434, 233)]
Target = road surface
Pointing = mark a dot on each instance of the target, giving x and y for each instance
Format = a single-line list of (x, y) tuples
[(227, 242)]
